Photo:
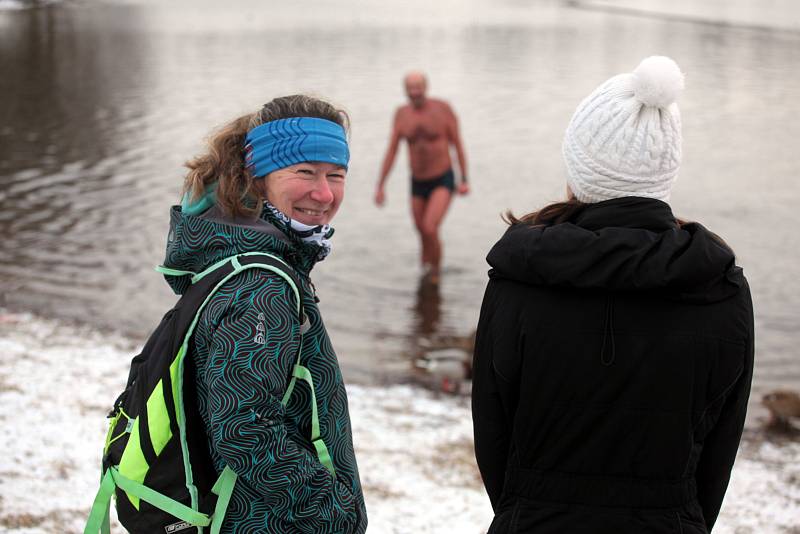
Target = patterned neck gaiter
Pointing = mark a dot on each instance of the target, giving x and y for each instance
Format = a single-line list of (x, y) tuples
[(319, 235)]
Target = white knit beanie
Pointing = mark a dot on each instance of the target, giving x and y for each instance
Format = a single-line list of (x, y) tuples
[(625, 138)]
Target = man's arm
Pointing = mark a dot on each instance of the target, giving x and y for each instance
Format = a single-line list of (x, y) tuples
[(388, 160), (455, 140)]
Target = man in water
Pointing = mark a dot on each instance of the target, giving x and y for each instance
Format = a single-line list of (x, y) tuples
[(430, 127)]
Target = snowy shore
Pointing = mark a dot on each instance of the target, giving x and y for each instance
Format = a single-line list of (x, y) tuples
[(414, 447)]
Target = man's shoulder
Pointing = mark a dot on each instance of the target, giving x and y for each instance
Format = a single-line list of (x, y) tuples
[(402, 109), (441, 104), (402, 114)]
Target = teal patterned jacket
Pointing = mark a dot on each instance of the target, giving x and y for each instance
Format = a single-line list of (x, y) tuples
[(242, 376)]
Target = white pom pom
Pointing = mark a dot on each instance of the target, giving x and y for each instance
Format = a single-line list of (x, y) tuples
[(657, 81)]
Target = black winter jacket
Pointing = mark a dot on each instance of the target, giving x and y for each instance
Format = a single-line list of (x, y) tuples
[(612, 369)]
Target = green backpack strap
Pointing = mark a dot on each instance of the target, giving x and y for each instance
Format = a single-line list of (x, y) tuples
[(99, 516), (322, 450), (223, 489), (98, 520), (298, 371)]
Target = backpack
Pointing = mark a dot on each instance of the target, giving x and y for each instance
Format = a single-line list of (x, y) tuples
[(156, 459)]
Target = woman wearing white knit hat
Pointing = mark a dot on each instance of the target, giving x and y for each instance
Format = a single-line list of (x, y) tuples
[(614, 351)]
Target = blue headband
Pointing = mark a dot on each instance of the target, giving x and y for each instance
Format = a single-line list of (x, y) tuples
[(277, 144)]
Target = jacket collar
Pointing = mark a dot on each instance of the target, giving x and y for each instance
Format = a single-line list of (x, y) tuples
[(627, 244), (627, 212), (198, 241)]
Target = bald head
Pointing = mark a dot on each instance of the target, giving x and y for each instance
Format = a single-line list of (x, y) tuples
[(415, 77), (416, 85)]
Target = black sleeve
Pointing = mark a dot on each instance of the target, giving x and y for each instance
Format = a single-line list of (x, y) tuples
[(722, 442), (491, 431)]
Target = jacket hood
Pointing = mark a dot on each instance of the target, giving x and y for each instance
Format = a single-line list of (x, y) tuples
[(624, 244), (196, 242)]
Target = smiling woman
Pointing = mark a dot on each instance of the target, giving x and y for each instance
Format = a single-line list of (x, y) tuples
[(286, 132), (270, 183), (309, 192)]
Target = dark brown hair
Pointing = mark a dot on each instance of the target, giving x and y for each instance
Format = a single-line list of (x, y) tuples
[(555, 213), (224, 161)]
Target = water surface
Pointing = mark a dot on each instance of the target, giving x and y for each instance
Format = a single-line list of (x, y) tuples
[(101, 103)]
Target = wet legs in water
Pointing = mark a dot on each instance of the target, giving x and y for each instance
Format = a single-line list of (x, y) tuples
[(428, 215)]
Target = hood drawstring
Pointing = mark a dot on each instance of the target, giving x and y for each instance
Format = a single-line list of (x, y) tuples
[(608, 326)]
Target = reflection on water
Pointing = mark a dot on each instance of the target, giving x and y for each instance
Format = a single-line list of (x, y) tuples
[(440, 361), (101, 103), (428, 308)]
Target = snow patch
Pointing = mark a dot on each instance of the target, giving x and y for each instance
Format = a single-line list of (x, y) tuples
[(414, 447)]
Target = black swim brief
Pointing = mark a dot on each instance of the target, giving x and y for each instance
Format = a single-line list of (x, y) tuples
[(424, 188)]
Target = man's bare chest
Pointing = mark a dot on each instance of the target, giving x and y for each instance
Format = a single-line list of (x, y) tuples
[(423, 127)]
